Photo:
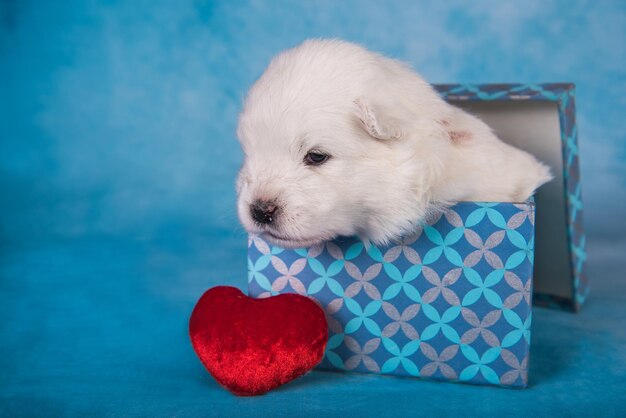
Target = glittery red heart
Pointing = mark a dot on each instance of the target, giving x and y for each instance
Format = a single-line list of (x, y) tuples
[(251, 346)]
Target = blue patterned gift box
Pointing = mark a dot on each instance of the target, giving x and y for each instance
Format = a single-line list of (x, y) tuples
[(451, 302)]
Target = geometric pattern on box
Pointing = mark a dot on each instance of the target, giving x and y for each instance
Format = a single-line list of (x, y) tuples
[(450, 302), (563, 94)]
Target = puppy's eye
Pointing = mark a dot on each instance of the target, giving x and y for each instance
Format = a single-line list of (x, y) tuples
[(315, 158)]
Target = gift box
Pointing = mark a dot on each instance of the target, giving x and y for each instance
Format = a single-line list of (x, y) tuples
[(453, 301), (450, 302), (541, 119)]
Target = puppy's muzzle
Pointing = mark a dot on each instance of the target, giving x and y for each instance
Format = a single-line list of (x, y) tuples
[(263, 212)]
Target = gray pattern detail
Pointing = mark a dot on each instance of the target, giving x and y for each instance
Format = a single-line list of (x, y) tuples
[(480, 327), (362, 280), (361, 355), (400, 321), (441, 286), (438, 362)]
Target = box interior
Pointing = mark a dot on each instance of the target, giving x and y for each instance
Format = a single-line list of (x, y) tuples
[(534, 127)]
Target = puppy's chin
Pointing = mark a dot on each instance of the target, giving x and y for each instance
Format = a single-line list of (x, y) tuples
[(290, 243)]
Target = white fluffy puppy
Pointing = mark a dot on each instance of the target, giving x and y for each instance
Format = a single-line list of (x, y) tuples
[(339, 140)]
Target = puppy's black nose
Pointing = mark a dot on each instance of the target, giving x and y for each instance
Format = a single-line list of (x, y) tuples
[(263, 212)]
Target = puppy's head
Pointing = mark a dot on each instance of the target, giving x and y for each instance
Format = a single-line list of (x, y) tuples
[(327, 147)]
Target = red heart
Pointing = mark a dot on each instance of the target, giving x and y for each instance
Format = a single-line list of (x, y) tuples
[(251, 346)]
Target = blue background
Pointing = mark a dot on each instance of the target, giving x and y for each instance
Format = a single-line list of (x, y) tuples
[(117, 166)]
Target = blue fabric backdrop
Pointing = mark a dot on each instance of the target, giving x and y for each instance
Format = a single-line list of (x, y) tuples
[(117, 166)]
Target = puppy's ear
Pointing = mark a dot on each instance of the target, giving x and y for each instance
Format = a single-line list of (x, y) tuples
[(375, 122)]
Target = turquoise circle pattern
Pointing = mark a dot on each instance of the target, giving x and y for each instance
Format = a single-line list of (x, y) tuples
[(450, 302)]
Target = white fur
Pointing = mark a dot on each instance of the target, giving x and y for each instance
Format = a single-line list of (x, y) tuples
[(397, 149)]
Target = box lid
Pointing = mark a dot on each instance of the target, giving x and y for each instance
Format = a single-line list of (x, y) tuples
[(541, 119)]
